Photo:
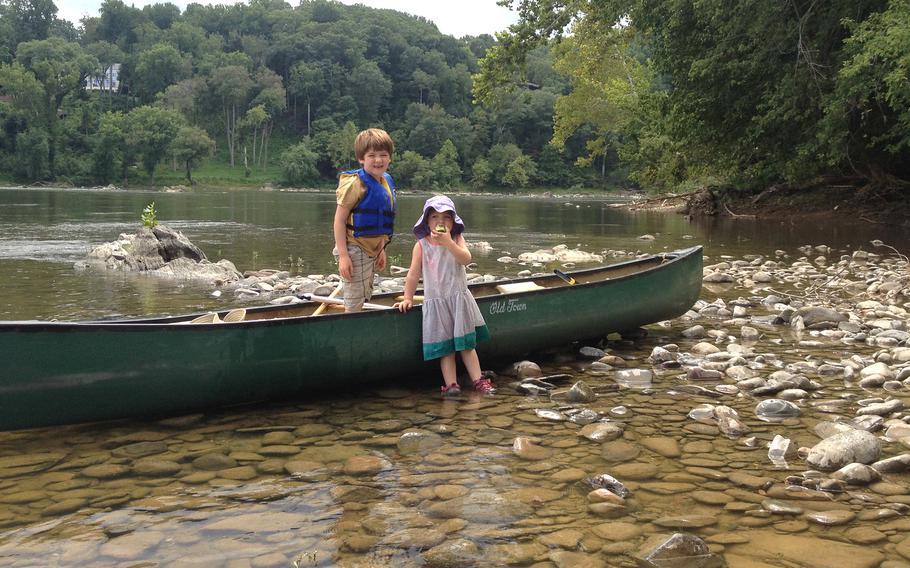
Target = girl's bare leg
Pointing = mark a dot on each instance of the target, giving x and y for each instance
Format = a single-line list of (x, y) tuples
[(447, 364), (471, 363)]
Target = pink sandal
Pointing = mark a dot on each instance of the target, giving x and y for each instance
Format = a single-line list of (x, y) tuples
[(483, 385), (451, 390)]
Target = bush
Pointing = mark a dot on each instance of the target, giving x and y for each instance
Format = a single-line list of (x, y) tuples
[(32, 148), (298, 164)]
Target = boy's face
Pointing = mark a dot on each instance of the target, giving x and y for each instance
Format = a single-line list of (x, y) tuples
[(375, 162)]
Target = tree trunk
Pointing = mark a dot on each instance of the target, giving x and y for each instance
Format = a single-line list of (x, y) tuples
[(227, 134), (189, 176), (255, 133)]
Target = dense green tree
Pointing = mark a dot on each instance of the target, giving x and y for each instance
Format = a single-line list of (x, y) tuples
[(867, 118), (445, 167), (272, 98), (110, 149), (117, 24), (29, 19), (32, 150), (61, 67), (370, 89), (499, 158), (481, 173), (25, 93), (232, 85), (405, 166), (309, 81), (519, 172), (157, 68), (185, 97), (149, 132), (298, 164), (190, 147), (162, 14), (340, 147)]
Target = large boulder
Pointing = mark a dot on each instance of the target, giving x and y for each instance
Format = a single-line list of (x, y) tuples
[(839, 450), (161, 251)]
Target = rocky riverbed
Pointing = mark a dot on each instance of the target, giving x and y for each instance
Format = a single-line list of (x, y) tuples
[(765, 427)]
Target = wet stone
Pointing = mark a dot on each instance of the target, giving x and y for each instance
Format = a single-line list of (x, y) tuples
[(418, 442), (64, 507), (279, 450), (619, 451), (105, 471), (618, 531), (667, 447), (777, 507), (277, 438), (140, 449), (711, 497), (214, 462), (831, 518), (527, 449), (452, 554), (601, 431), (366, 465), (636, 470), (156, 467), (865, 535)]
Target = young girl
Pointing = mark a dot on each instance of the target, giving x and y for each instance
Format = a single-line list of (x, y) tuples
[(451, 319)]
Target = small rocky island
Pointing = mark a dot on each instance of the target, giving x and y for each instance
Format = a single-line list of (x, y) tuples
[(161, 251)]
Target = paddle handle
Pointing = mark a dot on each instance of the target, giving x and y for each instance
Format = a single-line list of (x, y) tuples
[(334, 293), (330, 300)]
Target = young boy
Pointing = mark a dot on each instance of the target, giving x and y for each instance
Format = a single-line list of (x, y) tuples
[(364, 217)]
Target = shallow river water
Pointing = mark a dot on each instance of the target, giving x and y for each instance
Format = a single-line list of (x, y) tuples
[(394, 476)]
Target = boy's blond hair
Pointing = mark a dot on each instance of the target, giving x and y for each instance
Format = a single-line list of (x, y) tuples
[(373, 139)]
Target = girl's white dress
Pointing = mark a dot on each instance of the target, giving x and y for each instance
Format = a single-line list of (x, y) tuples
[(451, 319)]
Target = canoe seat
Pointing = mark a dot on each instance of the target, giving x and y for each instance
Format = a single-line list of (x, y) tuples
[(210, 317), (235, 315), (518, 287)]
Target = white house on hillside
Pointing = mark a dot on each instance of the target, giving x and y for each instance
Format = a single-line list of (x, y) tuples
[(109, 81)]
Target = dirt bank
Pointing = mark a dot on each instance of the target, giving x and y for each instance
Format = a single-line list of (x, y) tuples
[(818, 200)]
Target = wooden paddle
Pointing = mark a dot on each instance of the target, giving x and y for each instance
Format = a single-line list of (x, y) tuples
[(334, 293), (330, 300), (568, 279)]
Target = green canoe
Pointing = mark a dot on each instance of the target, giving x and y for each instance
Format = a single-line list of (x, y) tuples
[(61, 373)]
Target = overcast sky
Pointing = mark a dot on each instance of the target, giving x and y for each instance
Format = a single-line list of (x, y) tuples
[(454, 17)]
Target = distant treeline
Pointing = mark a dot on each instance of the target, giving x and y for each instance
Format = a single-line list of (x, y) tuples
[(264, 84)]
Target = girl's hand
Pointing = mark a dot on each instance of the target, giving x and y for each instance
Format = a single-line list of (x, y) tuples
[(441, 238), (380, 261), (403, 305)]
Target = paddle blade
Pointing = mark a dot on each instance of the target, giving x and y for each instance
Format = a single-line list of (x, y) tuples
[(564, 276)]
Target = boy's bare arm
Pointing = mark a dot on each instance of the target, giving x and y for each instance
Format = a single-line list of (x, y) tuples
[(340, 231)]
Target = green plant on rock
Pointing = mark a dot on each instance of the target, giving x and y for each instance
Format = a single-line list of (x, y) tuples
[(150, 216)]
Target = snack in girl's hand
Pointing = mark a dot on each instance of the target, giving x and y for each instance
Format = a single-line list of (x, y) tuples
[(440, 228)]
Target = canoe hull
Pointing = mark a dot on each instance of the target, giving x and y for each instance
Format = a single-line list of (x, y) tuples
[(60, 373)]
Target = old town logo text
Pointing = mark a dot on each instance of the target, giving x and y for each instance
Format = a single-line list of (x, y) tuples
[(507, 306)]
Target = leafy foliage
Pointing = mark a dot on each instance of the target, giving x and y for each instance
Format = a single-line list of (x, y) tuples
[(750, 93), (149, 216)]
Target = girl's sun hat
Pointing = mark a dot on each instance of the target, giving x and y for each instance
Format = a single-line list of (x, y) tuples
[(439, 203)]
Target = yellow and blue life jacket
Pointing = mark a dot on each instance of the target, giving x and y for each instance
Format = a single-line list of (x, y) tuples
[(375, 214)]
